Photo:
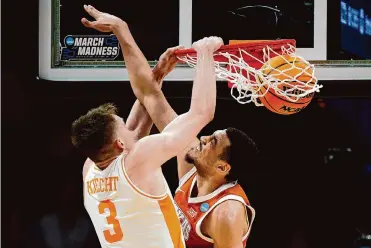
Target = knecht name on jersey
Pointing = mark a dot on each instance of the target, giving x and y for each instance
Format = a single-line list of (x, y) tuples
[(92, 47)]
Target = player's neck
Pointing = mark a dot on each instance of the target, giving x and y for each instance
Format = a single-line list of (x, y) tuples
[(207, 185)]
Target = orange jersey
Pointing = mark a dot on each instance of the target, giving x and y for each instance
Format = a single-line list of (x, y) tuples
[(193, 210)]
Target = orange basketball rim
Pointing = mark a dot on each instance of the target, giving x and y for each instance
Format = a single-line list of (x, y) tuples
[(266, 72)]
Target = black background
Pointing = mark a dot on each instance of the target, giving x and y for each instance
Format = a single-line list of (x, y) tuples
[(152, 24), (294, 21)]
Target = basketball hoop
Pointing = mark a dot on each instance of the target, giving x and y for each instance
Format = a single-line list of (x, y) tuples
[(247, 68)]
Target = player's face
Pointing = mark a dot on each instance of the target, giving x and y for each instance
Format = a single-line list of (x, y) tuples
[(208, 153)]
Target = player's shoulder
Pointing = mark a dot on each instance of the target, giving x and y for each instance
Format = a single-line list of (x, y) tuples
[(142, 149), (227, 215), (228, 209)]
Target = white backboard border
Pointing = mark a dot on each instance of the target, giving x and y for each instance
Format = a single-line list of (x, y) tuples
[(46, 71)]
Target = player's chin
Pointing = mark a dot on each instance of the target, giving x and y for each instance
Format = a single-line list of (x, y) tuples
[(190, 157)]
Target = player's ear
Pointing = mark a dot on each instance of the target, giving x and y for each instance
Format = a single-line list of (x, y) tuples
[(223, 167), (119, 144)]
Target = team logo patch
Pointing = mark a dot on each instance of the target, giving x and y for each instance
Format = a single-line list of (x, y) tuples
[(204, 207), (192, 212), (90, 47)]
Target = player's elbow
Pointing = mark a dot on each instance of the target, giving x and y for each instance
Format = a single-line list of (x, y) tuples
[(150, 96), (204, 114), (210, 114), (203, 118), (145, 88), (206, 109), (207, 115)]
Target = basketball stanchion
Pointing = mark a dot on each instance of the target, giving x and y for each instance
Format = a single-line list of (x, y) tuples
[(266, 72)]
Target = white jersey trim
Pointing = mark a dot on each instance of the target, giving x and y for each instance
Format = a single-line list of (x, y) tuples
[(208, 196), (225, 198), (188, 175), (86, 168)]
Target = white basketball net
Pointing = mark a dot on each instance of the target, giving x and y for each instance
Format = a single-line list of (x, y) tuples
[(245, 79)]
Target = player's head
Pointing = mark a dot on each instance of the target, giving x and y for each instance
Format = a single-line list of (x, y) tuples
[(100, 134), (225, 153)]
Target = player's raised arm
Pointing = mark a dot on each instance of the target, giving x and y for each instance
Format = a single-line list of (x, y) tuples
[(160, 110), (156, 149), (139, 119), (139, 71), (135, 61)]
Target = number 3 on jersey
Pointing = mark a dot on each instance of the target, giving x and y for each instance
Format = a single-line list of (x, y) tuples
[(111, 219)]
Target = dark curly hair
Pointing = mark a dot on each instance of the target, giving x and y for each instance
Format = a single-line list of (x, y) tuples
[(240, 154), (93, 132)]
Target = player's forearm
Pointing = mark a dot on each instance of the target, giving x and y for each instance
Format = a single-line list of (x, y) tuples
[(204, 86), (161, 114), (158, 75), (141, 122), (140, 73), (139, 119)]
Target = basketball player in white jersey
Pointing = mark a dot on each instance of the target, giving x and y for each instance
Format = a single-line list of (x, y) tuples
[(125, 193)]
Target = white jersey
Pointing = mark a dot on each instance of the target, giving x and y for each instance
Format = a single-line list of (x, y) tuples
[(125, 216)]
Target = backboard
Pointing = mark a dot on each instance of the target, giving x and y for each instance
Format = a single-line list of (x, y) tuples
[(335, 35)]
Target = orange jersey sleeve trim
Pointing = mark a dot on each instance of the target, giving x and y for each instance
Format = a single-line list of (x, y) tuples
[(172, 221)]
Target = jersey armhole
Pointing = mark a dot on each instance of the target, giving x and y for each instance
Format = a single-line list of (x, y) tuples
[(85, 170), (223, 199), (136, 189)]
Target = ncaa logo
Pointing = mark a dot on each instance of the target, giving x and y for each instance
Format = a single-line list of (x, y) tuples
[(69, 41), (204, 207)]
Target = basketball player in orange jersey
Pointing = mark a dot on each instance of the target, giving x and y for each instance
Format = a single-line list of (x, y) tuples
[(125, 192), (213, 208)]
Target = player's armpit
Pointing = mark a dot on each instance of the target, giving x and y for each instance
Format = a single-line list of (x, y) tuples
[(162, 114), (153, 151), (227, 224)]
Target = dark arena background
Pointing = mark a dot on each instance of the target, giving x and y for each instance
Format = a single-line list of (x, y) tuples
[(311, 188)]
